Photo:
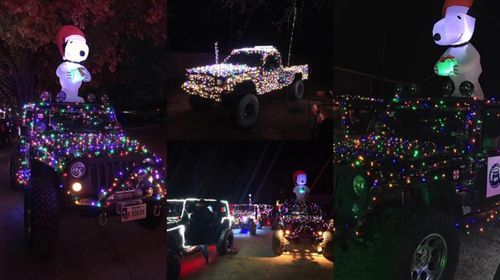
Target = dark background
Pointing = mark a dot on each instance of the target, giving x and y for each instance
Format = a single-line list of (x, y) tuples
[(194, 27), (393, 39), (232, 170)]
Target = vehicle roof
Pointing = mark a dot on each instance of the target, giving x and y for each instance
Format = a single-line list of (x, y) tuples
[(256, 49)]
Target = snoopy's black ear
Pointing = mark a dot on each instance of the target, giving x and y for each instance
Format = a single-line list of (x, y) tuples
[(476, 8)]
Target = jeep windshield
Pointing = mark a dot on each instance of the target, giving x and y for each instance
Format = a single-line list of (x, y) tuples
[(75, 118), (444, 127), (248, 59)]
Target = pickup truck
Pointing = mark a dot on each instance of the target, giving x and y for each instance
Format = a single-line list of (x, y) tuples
[(236, 82)]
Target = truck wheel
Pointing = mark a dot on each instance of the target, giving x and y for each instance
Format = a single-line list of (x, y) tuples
[(225, 243), (298, 89), (424, 246), (278, 248), (173, 265), (41, 215), (247, 110), (253, 228), (199, 103)]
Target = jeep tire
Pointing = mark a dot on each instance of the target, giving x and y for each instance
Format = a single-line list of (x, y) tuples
[(253, 228), (298, 89), (41, 215), (424, 244), (199, 103), (278, 248), (246, 110), (173, 265), (225, 242)]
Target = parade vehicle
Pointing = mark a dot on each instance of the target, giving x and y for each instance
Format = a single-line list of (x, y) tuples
[(236, 82), (76, 156), (199, 222), (249, 216), (401, 192), (299, 222)]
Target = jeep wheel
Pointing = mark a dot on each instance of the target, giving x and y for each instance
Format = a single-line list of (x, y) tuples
[(298, 89), (41, 215), (199, 103), (225, 243), (278, 248), (173, 265), (253, 228), (328, 245), (424, 246), (247, 110)]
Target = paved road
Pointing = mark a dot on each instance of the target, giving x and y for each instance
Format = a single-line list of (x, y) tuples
[(85, 249), (280, 118), (253, 259)]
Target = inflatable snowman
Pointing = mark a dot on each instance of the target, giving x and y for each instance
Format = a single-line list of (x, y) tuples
[(73, 48), (461, 61), (301, 190)]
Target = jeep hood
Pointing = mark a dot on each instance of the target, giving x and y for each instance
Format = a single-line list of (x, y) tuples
[(58, 149), (391, 160), (221, 70)]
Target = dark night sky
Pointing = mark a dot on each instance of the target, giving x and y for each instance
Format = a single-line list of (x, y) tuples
[(194, 26), (392, 38), (224, 170)]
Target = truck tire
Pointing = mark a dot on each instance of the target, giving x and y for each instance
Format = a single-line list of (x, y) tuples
[(278, 248), (425, 244), (247, 110), (225, 242), (253, 228), (41, 215), (199, 103), (298, 89), (173, 265)]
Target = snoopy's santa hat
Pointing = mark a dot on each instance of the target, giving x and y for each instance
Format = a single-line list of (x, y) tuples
[(460, 6), (68, 32), (297, 173)]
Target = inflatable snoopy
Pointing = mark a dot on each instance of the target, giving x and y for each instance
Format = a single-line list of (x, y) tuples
[(300, 189), (73, 48), (461, 61)]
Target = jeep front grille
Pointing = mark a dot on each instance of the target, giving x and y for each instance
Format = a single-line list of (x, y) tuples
[(103, 172)]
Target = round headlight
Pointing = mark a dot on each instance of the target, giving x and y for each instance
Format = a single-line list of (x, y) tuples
[(77, 169), (359, 185)]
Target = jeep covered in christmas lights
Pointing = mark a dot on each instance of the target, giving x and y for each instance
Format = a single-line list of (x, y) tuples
[(75, 155), (192, 223), (401, 192), (302, 222), (248, 217), (245, 74)]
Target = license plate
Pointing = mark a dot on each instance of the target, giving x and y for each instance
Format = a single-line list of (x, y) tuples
[(133, 212)]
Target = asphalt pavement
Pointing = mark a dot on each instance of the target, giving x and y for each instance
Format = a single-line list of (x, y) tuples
[(253, 258)]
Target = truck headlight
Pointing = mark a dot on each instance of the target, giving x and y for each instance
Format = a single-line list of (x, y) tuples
[(359, 185), (77, 169)]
